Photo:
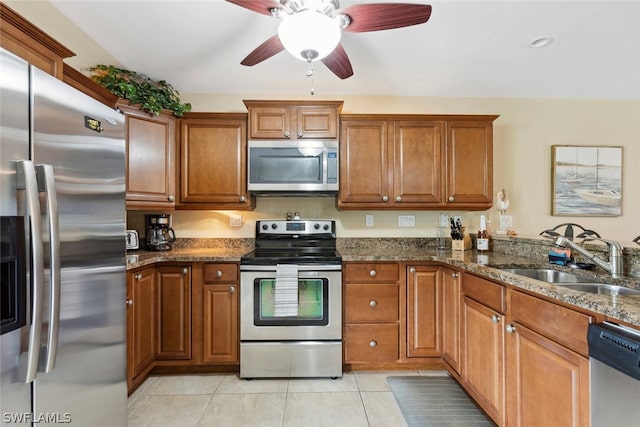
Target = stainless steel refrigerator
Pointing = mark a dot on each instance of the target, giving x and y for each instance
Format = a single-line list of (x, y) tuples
[(62, 209)]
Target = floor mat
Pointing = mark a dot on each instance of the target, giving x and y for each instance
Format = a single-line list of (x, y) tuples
[(431, 401)]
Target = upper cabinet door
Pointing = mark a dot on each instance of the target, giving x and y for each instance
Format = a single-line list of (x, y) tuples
[(417, 162), (469, 165), (150, 141), (316, 122), (270, 122), (213, 165), (364, 163)]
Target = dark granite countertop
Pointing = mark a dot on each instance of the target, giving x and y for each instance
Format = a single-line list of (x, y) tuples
[(624, 308)]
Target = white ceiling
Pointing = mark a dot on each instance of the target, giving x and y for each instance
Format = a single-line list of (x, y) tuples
[(466, 49)]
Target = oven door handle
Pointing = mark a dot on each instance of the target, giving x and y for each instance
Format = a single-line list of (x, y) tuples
[(313, 267)]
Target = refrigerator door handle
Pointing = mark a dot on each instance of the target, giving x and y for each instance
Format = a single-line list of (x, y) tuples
[(47, 184), (26, 180)]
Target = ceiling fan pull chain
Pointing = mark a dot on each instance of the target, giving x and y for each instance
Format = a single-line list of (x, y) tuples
[(310, 74)]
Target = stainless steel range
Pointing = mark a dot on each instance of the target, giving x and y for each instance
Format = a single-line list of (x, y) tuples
[(291, 301)]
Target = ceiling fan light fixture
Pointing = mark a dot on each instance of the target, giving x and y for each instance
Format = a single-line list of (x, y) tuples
[(309, 35)]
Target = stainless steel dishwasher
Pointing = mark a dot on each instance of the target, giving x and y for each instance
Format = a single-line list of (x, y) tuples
[(614, 362)]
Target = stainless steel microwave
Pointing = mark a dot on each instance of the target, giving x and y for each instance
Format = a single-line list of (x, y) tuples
[(294, 167)]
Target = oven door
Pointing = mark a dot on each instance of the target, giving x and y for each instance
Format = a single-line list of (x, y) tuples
[(319, 312)]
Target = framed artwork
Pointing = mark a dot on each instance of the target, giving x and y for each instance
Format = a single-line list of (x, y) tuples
[(586, 180)]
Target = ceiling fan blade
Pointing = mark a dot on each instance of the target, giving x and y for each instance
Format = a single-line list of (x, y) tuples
[(260, 6), (338, 62), (385, 16), (265, 51)]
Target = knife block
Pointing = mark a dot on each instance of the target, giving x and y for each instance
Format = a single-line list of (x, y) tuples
[(462, 245)]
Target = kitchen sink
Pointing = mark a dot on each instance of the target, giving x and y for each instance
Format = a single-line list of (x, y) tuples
[(600, 288), (572, 281), (550, 276)]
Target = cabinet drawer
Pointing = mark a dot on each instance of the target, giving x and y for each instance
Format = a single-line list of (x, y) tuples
[(484, 291), (371, 272), (561, 324), (214, 273), (371, 343), (371, 303)]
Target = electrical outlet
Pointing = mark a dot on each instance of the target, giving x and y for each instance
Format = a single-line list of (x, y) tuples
[(406, 220), (368, 220), (235, 220)]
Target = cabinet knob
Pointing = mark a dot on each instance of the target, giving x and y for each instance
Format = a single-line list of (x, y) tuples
[(171, 198), (372, 273), (138, 276), (286, 134), (398, 199), (412, 270), (510, 329), (385, 198), (219, 274), (373, 303), (129, 301), (373, 344), (232, 289), (495, 319), (455, 274), (242, 199), (451, 199), (185, 270)]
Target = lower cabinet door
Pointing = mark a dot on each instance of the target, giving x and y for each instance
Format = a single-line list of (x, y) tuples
[(548, 384), (483, 363), (174, 312), (220, 324)]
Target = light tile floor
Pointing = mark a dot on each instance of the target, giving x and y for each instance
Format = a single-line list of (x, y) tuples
[(357, 399)]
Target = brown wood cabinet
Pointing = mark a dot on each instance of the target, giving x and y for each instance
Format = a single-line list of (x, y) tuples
[(220, 340), (548, 368), (150, 170), (389, 164), (173, 324), (483, 364), (424, 316), (469, 164), (141, 314), (22, 38), (371, 312), (293, 119), (451, 304), (416, 162), (213, 162)]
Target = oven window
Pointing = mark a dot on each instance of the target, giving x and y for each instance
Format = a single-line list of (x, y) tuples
[(312, 309), (13, 300), (285, 165)]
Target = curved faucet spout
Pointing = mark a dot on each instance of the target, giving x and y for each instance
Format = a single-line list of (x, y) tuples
[(614, 266)]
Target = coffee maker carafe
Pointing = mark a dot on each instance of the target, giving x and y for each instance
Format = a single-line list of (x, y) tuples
[(159, 234)]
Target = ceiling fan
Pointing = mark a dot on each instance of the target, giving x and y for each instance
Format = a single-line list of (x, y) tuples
[(311, 29)]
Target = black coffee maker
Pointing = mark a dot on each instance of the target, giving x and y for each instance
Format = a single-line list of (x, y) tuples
[(159, 234)]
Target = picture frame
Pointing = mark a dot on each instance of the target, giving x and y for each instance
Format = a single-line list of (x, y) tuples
[(586, 180)]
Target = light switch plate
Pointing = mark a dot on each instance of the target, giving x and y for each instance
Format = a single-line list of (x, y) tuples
[(368, 220), (406, 220), (235, 220)]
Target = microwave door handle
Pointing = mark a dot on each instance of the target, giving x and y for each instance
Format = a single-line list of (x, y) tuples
[(47, 185), (26, 180)]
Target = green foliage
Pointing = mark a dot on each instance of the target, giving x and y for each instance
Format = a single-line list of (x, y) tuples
[(152, 96)]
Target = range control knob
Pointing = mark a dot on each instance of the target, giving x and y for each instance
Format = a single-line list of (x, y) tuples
[(325, 227), (265, 226), (274, 226)]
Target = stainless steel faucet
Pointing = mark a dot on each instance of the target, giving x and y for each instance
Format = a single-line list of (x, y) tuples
[(614, 266)]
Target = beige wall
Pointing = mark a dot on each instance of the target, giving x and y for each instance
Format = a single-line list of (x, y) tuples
[(523, 136)]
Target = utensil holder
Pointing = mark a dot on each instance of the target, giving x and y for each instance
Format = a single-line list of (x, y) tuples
[(462, 245)]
